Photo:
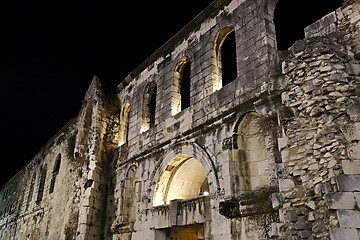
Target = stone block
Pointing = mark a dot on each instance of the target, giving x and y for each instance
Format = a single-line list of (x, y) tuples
[(348, 183), (351, 131), (351, 167), (357, 198), (343, 234), (349, 218), (354, 151), (286, 185), (340, 200)]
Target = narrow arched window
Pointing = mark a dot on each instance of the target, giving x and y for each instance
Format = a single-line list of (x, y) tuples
[(41, 184), (181, 86), (31, 190), (55, 172), (149, 106), (124, 123), (224, 59), (152, 107)]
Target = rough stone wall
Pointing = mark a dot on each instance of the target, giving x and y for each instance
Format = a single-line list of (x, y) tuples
[(320, 120), (272, 154), (60, 192)]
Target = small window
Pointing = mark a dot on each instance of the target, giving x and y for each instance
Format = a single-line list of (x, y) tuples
[(41, 185), (224, 60), (149, 107), (55, 172), (124, 123), (181, 86)]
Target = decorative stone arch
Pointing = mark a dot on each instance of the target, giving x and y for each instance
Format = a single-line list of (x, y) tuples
[(181, 86), (217, 63), (149, 106), (190, 154), (252, 152), (124, 122)]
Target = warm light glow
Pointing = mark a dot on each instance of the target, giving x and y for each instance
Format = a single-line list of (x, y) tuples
[(181, 179), (206, 193)]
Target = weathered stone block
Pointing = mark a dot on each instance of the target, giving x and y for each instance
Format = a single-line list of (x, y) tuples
[(348, 183), (351, 131), (286, 185), (340, 200), (357, 198), (343, 234), (349, 218), (351, 167), (354, 151)]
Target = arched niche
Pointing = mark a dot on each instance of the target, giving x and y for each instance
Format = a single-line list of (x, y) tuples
[(253, 152)]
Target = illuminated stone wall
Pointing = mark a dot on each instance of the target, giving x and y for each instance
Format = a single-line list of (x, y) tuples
[(272, 152)]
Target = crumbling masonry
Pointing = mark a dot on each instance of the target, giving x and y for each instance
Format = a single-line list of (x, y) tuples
[(191, 148)]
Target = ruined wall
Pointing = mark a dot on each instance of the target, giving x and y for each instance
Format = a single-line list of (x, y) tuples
[(263, 135), (59, 193), (270, 152), (319, 144)]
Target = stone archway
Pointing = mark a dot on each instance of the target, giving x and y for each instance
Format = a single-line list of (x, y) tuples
[(184, 177), (172, 169)]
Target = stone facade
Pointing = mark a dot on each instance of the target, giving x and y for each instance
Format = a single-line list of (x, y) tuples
[(189, 148)]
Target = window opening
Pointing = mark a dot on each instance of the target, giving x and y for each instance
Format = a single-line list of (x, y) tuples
[(228, 59), (41, 185)]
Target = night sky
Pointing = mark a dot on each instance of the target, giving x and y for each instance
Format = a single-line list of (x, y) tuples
[(50, 51)]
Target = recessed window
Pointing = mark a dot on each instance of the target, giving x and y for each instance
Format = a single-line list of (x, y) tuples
[(224, 60), (181, 86), (149, 107)]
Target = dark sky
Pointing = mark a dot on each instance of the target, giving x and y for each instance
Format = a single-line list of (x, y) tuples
[(50, 50)]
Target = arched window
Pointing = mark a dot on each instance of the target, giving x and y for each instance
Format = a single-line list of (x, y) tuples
[(41, 184), (124, 123), (31, 190), (224, 60), (181, 86), (149, 106), (55, 172), (289, 25)]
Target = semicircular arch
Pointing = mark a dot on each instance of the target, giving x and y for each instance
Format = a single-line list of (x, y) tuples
[(195, 156)]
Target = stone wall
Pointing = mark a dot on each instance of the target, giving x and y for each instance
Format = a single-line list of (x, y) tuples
[(271, 153), (320, 134)]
